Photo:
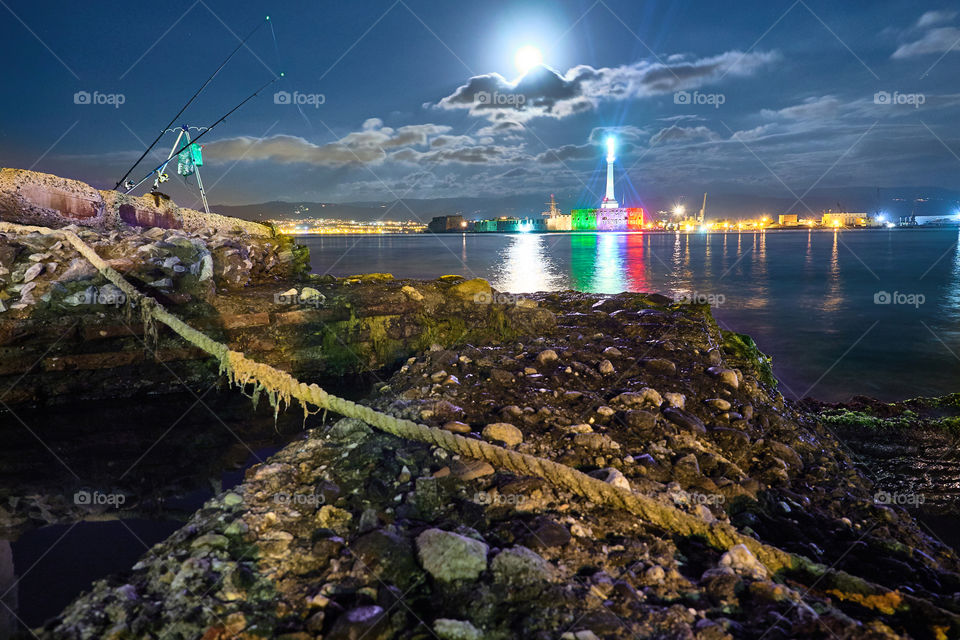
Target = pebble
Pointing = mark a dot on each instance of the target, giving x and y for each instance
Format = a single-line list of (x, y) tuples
[(674, 399), (503, 432), (547, 356), (606, 367), (726, 376), (470, 469), (456, 427)]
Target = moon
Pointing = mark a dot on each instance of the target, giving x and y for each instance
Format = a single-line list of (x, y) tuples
[(527, 58)]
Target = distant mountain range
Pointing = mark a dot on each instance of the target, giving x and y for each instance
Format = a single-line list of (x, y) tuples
[(895, 202)]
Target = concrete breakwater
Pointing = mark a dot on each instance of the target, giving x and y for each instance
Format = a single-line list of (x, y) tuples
[(349, 532)]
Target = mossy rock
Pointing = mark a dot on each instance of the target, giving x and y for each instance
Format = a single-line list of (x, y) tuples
[(742, 348)]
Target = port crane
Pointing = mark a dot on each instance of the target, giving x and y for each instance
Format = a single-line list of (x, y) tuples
[(703, 210)]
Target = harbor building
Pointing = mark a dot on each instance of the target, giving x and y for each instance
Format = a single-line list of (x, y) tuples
[(610, 216)]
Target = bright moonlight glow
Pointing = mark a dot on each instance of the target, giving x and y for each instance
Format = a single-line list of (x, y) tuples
[(527, 58)]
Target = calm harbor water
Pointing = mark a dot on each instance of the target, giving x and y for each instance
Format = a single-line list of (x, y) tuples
[(842, 313)]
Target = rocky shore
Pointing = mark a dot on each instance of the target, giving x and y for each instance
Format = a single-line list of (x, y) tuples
[(350, 533)]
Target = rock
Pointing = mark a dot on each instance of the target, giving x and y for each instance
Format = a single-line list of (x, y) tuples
[(349, 430), (614, 477), (660, 366), (369, 623), (79, 269), (456, 427), (547, 533), (449, 556), (677, 400), (32, 272), (333, 518), (501, 376), (470, 469), (655, 575), (312, 296), (503, 432), (640, 419), (606, 367), (718, 403), (743, 562), (685, 420), (612, 352), (596, 441), (547, 356), (726, 376), (720, 584), (412, 293), (477, 290), (686, 469), (447, 629), (520, 567), (646, 396)]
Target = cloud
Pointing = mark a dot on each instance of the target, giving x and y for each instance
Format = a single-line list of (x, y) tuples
[(678, 134), (628, 139), (371, 145), (937, 40), (817, 107), (545, 92), (931, 18)]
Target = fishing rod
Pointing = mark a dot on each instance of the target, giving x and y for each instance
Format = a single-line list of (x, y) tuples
[(192, 98), (203, 133)]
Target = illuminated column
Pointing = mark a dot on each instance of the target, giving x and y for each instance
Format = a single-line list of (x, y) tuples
[(609, 202)]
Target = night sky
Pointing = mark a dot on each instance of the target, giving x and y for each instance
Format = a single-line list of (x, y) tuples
[(422, 99)]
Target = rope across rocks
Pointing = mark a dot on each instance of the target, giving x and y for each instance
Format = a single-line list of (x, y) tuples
[(282, 388)]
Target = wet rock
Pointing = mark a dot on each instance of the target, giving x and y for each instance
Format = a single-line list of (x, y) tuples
[(674, 399), (684, 420), (547, 533), (449, 556), (503, 432), (606, 367), (720, 584)]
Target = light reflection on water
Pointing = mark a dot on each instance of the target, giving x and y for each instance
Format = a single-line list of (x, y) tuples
[(807, 297)]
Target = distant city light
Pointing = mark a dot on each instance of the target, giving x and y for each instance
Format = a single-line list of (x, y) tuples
[(678, 210)]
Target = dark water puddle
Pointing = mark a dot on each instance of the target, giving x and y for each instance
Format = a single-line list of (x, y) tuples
[(86, 489)]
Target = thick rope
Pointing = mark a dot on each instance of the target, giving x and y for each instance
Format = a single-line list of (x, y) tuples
[(282, 388)]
